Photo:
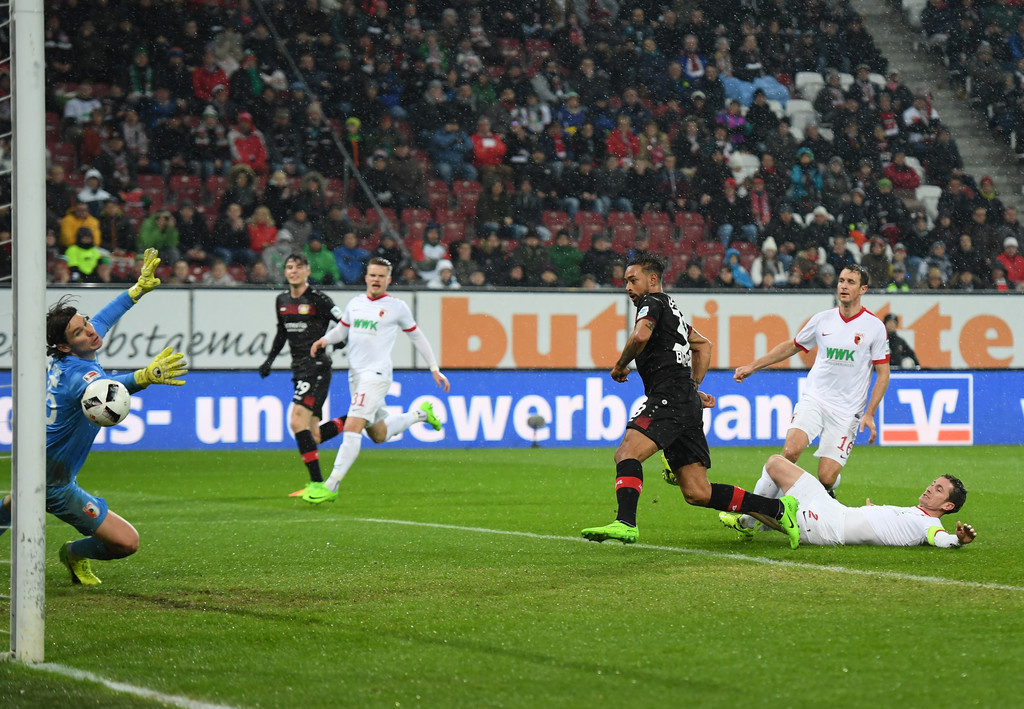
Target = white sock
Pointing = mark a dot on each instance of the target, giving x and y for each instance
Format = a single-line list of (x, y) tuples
[(398, 423), (347, 455), (765, 487), (839, 479)]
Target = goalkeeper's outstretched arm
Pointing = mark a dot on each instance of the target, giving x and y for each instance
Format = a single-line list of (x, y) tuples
[(165, 368)]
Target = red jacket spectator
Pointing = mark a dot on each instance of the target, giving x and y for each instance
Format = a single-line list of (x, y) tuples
[(207, 76), (488, 148), (902, 176), (1012, 261), (247, 145), (622, 143)]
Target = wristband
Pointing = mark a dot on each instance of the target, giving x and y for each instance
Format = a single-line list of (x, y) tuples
[(435, 369)]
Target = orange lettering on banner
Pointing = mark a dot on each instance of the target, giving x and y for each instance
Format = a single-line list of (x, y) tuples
[(458, 330), (525, 333), (604, 336), (928, 330), (979, 335), (744, 331), (709, 328)]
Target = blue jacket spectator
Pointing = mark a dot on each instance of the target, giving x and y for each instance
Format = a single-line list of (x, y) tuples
[(351, 259), (450, 148)]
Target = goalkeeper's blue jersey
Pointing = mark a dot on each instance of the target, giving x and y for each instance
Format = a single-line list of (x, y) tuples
[(69, 434)]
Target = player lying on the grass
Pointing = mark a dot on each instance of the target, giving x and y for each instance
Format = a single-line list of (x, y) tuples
[(825, 521), (672, 359), (72, 341)]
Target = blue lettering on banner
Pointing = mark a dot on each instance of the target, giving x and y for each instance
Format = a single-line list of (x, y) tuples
[(231, 410)]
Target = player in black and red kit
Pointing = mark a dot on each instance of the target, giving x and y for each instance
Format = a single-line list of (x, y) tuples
[(672, 359), (303, 316)]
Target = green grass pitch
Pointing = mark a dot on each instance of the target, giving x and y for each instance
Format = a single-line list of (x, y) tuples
[(458, 579)]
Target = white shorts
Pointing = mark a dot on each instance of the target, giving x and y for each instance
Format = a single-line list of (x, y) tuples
[(822, 519), (368, 393), (835, 435)]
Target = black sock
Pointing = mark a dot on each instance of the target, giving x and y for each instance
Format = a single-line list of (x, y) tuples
[(330, 429), (307, 449), (629, 483), (729, 498)]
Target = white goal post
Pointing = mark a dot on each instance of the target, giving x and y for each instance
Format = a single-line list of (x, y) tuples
[(28, 529)]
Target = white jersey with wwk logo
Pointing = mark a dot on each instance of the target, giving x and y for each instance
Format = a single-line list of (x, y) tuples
[(847, 352), (373, 326)]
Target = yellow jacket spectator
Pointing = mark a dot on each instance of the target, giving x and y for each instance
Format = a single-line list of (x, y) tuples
[(77, 217)]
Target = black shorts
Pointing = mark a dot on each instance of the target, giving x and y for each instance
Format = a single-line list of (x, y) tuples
[(673, 418), (311, 390)]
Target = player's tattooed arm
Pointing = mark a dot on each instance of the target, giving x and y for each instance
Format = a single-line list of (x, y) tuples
[(638, 339)]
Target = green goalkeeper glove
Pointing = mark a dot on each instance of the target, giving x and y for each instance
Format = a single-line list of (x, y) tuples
[(147, 281), (164, 369)]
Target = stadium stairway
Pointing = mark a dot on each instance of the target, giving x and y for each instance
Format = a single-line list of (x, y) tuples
[(982, 151)]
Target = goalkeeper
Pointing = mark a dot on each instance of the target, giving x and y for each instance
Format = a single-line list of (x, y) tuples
[(72, 341)]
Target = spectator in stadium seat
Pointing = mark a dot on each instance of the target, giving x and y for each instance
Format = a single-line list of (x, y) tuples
[(211, 144), (312, 196), (903, 177), (230, 238), (116, 234), (599, 258), (159, 232), (193, 234), (965, 258), (241, 190), (284, 145), (207, 76), (488, 153), (172, 146), (406, 180), (351, 259), (983, 235), (566, 257), (532, 255), (92, 193), (693, 277), (450, 151), (77, 217), (876, 261), (444, 278), (262, 230), (493, 209), (247, 145), (218, 276), (83, 256), (1012, 261), (59, 194), (612, 188)]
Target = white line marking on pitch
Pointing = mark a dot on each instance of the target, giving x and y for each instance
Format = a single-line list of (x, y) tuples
[(172, 699), (715, 554)]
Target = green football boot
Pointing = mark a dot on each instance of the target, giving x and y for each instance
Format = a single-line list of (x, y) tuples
[(315, 493), (667, 474), (732, 521), (432, 421), (80, 570), (788, 521), (616, 530)]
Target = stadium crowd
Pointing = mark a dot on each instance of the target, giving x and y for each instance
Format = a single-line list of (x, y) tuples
[(505, 144)]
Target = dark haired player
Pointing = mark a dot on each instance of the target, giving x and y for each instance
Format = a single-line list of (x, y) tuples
[(303, 315), (672, 359), (824, 521), (834, 406), (72, 341)]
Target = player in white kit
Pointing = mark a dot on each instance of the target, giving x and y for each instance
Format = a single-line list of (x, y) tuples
[(851, 342), (825, 521), (370, 325)]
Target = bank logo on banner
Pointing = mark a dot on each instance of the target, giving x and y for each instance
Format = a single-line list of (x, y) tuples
[(922, 409)]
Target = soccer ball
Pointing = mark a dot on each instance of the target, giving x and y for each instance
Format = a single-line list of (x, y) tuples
[(106, 402)]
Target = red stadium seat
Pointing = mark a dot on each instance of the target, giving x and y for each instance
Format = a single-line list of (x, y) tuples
[(691, 227), (189, 187), (453, 231), (587, 232), (151, 182), (661, 237), (623, 236), (554, 221), (617, 218), (415, 215)]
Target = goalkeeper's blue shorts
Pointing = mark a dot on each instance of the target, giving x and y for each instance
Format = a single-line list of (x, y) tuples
[(77, 507)]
